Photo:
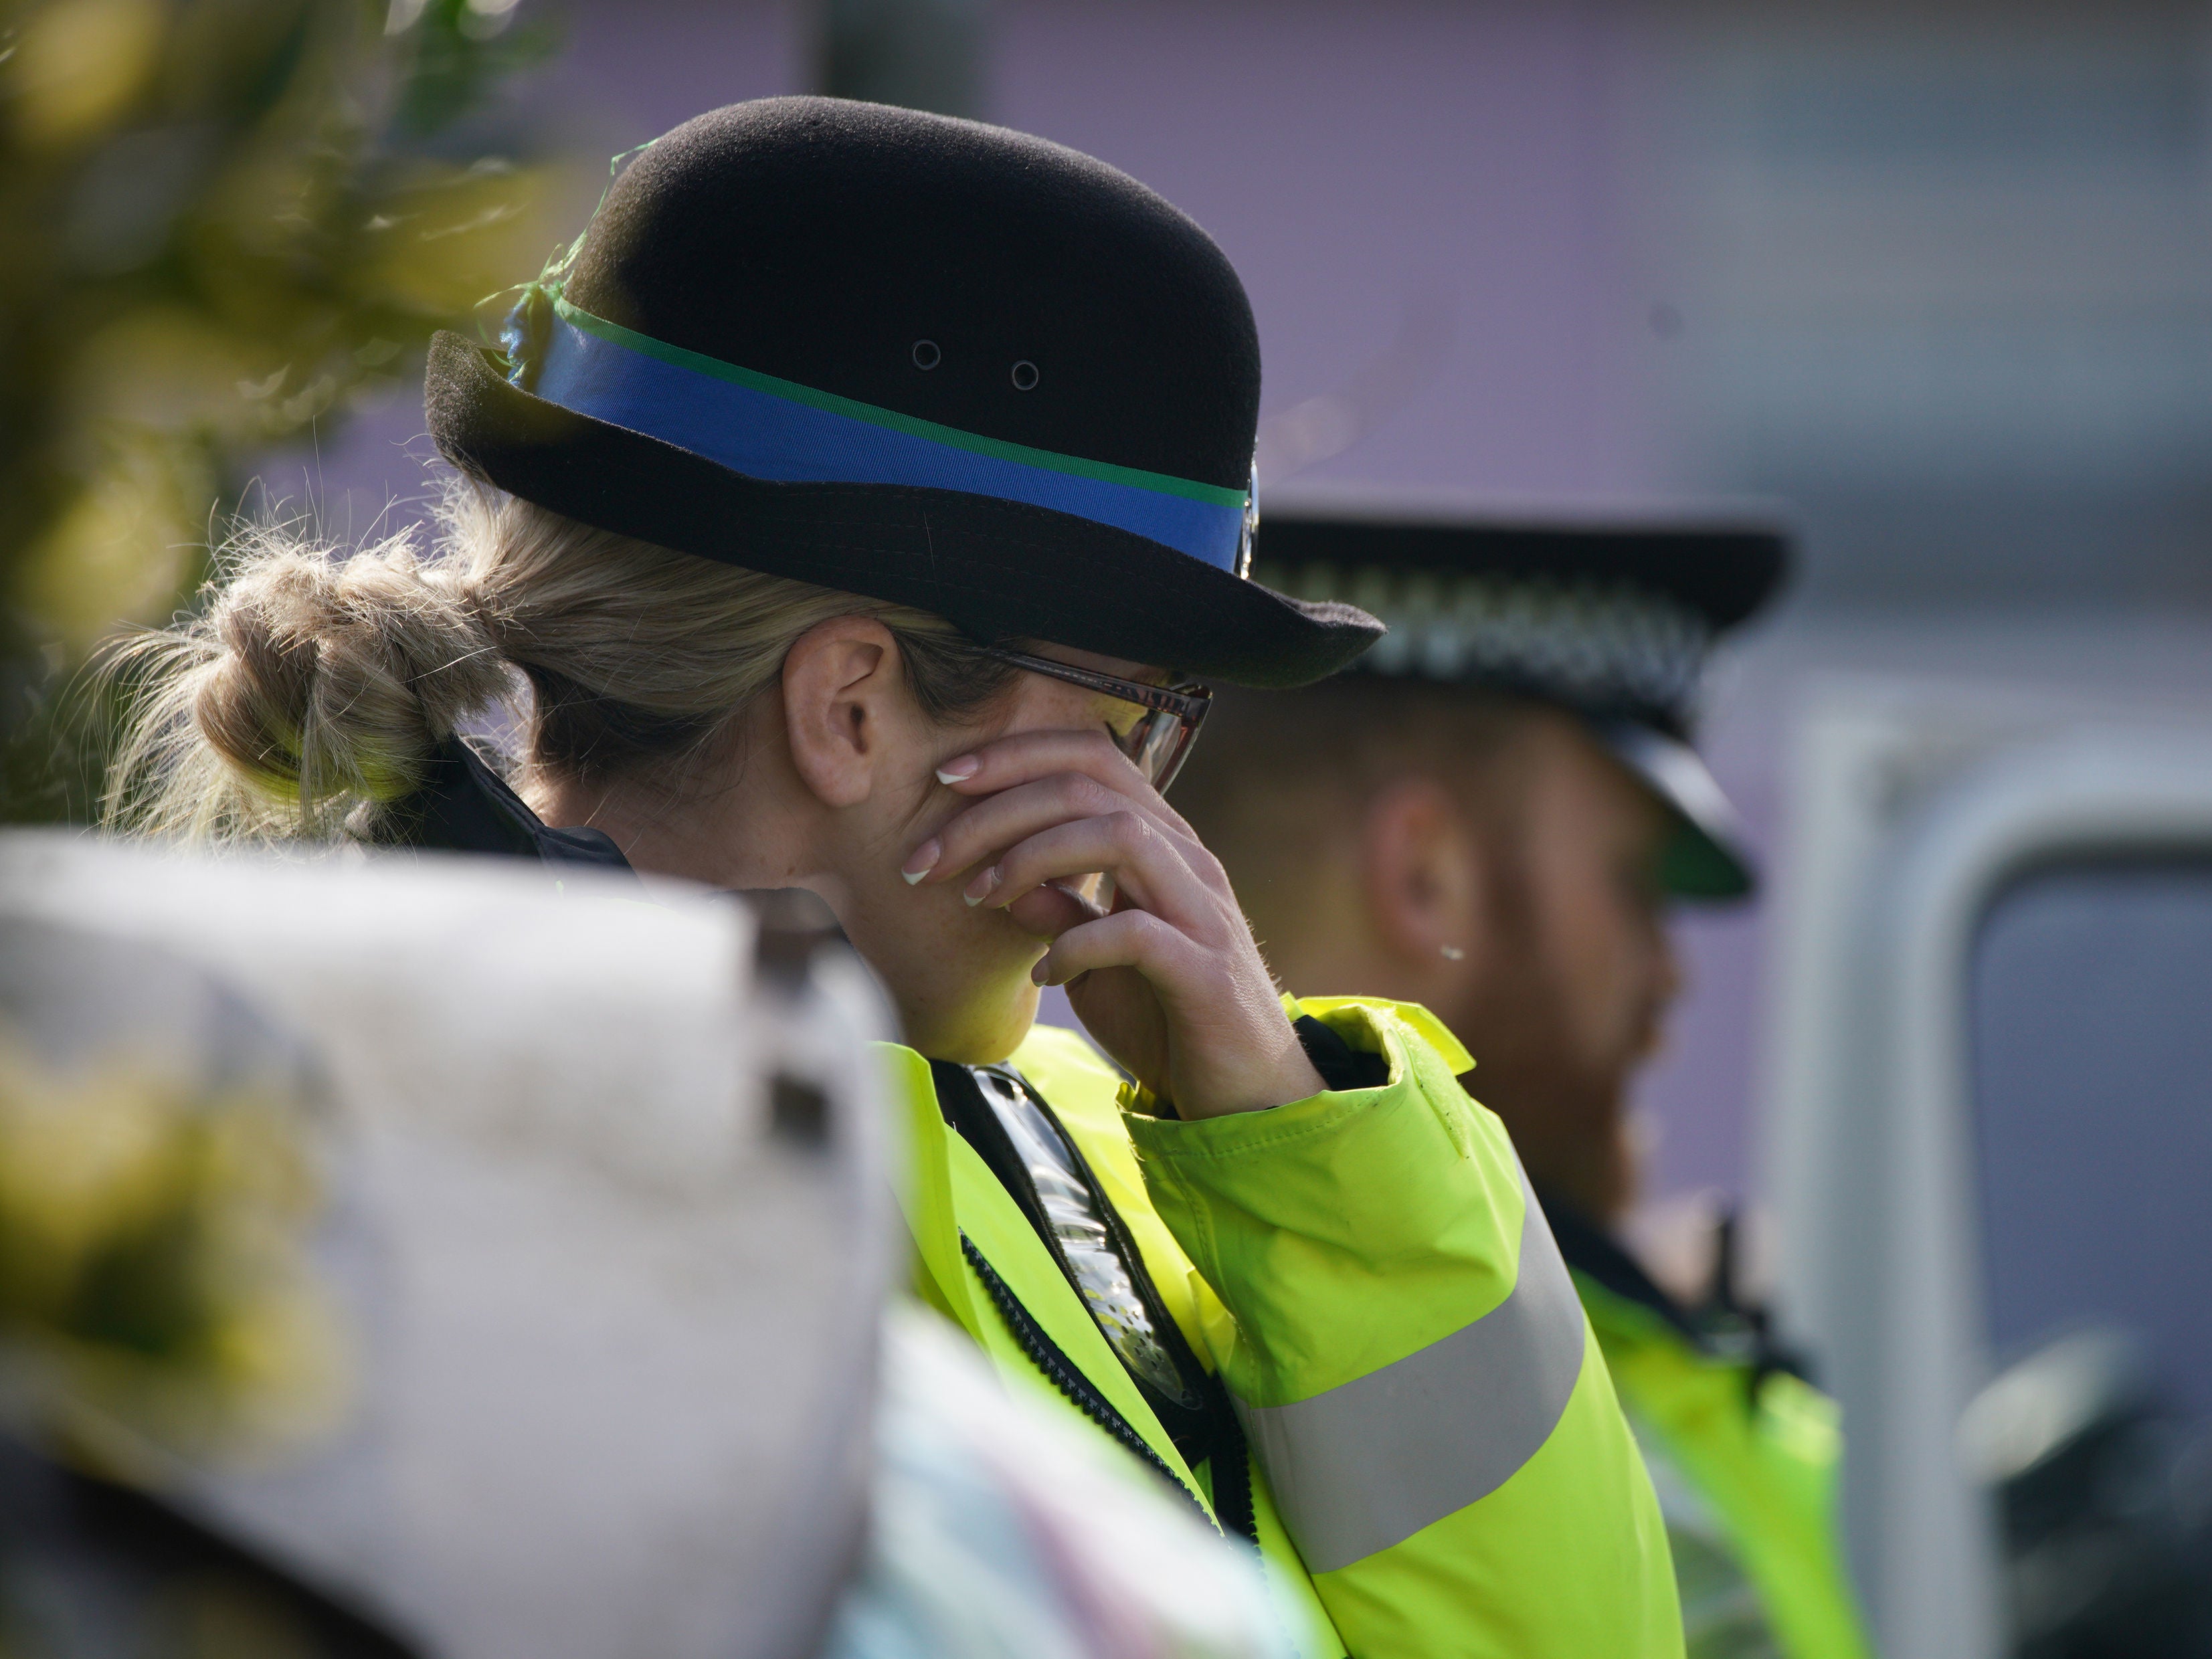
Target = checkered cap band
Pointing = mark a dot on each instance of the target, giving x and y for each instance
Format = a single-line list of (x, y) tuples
[(1595, 644)]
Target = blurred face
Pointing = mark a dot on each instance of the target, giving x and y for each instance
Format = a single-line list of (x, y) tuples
[(1570, 1003), (1499, 871)]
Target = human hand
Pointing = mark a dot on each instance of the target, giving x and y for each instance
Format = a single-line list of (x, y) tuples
[(1168, 979)]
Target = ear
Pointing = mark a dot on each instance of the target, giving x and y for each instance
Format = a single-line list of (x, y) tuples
[(844, 698), (1421, 865)]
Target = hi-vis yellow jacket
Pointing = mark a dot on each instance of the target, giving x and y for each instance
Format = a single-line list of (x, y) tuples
[(1747, 1471), (1441, 1467)]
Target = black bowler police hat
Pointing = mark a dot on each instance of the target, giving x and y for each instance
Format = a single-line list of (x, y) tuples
[(1609, 615), (911, 357)]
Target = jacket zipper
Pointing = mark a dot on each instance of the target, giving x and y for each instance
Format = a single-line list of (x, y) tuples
[(1060, 1371)]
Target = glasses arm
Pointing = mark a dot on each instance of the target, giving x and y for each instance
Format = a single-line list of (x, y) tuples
[(1188, 703)]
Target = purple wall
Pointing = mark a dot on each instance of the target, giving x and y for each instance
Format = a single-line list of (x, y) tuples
[(1356, 164)]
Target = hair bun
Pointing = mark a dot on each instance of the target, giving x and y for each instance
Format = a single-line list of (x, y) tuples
[(330, 681)]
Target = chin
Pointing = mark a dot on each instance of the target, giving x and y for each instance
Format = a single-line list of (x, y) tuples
[(983, 1031), (1020, 1015)]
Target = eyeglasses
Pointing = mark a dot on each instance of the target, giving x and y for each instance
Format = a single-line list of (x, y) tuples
[(1158, 739)]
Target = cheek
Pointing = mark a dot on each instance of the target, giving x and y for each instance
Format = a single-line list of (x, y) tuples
[(1042, 704), (1603, 963)]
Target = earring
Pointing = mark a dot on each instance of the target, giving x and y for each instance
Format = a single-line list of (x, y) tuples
[(1451, 953)]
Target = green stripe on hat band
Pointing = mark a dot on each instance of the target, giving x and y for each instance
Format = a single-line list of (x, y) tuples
[(913, 426)]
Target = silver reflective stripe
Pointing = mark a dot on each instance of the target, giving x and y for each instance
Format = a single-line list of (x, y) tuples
[(1372, 1461)]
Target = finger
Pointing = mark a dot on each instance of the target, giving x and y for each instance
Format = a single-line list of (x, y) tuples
[(1147, 866), (1049, 911), (997, 823), (1101, 780), (1126, 938), (1005, 763)]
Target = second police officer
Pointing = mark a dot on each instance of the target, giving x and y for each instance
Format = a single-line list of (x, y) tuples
[(1488, 815)]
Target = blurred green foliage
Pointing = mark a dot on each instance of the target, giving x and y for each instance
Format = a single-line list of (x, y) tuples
[(220, 221)]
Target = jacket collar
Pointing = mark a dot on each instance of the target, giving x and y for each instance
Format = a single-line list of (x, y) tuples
[(1592, 1255), (464, 806)]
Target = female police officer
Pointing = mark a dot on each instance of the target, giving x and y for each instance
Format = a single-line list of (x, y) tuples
[(835, 500)]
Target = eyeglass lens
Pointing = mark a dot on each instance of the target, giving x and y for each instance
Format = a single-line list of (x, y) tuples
[(1157, 744)]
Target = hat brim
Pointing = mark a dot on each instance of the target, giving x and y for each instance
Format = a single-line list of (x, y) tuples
[(1709, 856), (996, 569), (1724, 561)]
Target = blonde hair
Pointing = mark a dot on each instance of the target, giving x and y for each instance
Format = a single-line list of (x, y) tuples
[(306, 695)]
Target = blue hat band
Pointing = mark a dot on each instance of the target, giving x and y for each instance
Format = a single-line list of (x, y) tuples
[(778, 431)]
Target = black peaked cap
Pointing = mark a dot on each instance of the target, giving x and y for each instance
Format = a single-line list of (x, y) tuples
[(1722, 564), (1607, 614), (1609, 611), (910, 262)]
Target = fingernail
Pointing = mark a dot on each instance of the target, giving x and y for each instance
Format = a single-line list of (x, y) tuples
[(921, 861), (1040, 974), (980, 888), (958, 770)]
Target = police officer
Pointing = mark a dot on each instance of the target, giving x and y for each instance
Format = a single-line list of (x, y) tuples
[(852, 505), (1488, 817)]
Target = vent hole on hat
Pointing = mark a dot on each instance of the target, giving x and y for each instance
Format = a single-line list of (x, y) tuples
[(1025, 376), (926, 354)]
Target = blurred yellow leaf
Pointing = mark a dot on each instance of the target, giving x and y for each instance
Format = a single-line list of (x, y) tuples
[(79, 64), (446, 239), (167, 369), (120, 551)]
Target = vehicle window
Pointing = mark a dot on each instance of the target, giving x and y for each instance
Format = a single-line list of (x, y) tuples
[(2090, 1030)]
